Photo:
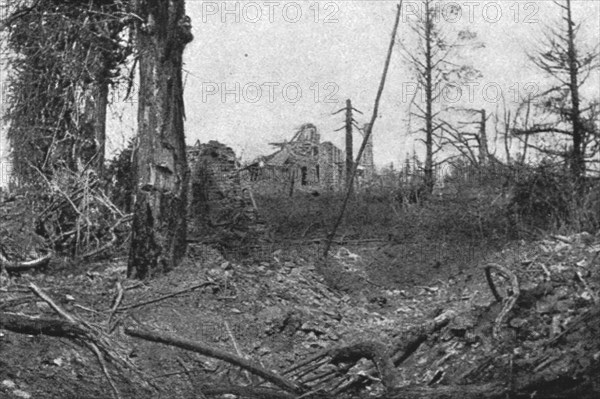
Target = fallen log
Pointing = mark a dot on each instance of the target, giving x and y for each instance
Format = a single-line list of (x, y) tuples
[(206, 350), (16, 267), (24, 324)]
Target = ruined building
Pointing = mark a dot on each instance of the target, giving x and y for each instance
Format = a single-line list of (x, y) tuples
[(221, 198), (219, 202), (304, 163)]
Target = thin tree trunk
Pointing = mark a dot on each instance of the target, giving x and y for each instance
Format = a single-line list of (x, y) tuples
[(368, 130), (349, 147), (159, 224), (100, 125), (91, 150), (526, 142), (429, 178), (507, 141), (577, 161), (483, 143)]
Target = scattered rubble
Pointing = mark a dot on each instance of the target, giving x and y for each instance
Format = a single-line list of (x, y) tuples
[(281, 314)]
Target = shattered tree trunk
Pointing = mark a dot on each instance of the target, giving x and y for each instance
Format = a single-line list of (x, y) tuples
[(159, 224), (483, 142), (429, 68), (94, 114), (100, 124), (349, 149)]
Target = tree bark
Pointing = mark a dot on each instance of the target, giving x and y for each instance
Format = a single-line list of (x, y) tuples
[(159, 223)]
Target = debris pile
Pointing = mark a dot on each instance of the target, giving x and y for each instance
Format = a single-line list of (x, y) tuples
[(526, 325)]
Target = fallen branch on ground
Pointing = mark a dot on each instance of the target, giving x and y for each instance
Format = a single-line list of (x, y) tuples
[(183, 291), (207, 350), (16, 267), (24, 324), (70, 326), (374, 351)]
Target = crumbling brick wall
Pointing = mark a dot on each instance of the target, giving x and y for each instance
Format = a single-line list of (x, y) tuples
[(219, 205), (332, 166)]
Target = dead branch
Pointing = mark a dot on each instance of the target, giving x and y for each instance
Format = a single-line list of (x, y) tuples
[(405, 345), (52, 304), (374, 351), (112, 241), (312, 359), (115, 390), (70, 327), (206, 350), (117, 302), (237, 349), (16, 267), (510, 300), (183, 291), (592, 314), (24, 324), (385, 359), (488, 277)]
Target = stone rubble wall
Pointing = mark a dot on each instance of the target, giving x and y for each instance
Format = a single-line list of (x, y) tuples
[(219, 204)]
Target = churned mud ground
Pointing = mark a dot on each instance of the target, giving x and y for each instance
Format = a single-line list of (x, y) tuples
[(276, 310)]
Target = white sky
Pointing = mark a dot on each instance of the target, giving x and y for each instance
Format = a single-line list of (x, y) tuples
[(331, 51), (343, 58)]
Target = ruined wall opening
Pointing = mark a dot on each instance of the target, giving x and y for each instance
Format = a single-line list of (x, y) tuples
[(304, 179)]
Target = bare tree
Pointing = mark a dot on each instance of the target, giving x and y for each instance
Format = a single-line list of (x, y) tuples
[(433, 66), (507, 121), (561, 58), (465, 141), (159, 224)]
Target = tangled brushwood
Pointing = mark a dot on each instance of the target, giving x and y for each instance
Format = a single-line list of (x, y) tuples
[(69, 215), (64, 56)]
